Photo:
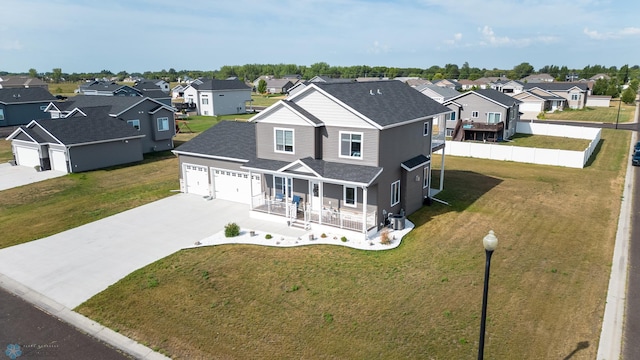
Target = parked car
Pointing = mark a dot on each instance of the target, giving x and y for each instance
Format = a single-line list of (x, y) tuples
[(636, 147), (635, 159)]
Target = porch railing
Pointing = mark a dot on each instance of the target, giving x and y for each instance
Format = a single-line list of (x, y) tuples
[(343, 219)]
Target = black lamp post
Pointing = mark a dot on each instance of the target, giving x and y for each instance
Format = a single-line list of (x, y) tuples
[(490, 243)]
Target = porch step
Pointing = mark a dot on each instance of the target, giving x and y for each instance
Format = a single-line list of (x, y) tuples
[(298, 224)]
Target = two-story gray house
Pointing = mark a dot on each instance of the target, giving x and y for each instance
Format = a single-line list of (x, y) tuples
[(150, 117), (482, 115), (339, 154), (18, 106)]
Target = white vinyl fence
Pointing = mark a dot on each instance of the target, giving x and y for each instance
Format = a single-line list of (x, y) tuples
[(566, 158)]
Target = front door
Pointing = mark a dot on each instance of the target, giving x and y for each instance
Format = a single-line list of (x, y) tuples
[(315, 195)]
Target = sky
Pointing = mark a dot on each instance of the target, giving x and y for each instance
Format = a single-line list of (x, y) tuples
[(151, 35)]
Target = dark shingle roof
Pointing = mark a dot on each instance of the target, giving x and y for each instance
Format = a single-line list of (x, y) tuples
[(117, 104), (327, 170), (79, 130), (556, 86), (386, 102), (228, 139), (22, 95), (415, 162), (215, 84), (498, 97)]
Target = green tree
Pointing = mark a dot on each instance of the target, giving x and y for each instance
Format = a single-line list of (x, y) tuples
[(634, 84), (600, 87), (33, 73), (465, 71), (522, 70), (262, 86), (628, 96), (56, 75)]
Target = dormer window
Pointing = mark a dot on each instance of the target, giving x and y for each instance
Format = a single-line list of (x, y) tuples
[(284, 140), (351, 145)]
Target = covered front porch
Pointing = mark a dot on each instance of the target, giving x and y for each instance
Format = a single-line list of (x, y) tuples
[(307, 192)]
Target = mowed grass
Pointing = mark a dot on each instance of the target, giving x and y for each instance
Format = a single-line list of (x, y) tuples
[(556, 228), (546, 142), (5, 150), (596, 114), (48, 207)]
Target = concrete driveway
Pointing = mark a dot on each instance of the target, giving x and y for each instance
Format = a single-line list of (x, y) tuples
[(14, 176), (72, 266)]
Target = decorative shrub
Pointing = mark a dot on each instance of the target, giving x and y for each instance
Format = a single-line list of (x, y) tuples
[(268, 236), (323, 235), (384, 237), (231, 230), (344, 239)]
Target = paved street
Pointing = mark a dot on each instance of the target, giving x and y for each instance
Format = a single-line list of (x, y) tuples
[(34, 334)]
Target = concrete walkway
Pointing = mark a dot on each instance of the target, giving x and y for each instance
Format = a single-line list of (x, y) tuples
[(14, 176)]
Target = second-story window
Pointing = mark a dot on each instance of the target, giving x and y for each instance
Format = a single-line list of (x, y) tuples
[(284, 140), (351, 145), (474, 114), (494, 118), (425, 130), (135, 123)]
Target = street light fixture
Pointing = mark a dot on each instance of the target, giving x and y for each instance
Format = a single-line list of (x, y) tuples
[(490, 243)]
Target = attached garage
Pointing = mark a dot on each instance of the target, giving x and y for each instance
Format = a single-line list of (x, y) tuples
[(26, 156), (58, 160), (235, 185), (196, 179), (531, 107)]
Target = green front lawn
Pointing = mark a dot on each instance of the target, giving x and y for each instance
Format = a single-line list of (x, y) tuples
[(422, 300), (596, 114), (547, 142)]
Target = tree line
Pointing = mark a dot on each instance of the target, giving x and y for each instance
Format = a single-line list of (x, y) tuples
[(250, 72)]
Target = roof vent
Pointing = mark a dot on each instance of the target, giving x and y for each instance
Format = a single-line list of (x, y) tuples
[(379, 92), (371, 92)]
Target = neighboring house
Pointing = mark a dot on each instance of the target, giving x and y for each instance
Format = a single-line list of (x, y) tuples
[(338, 154), (483, 115), (600, 76), (214, 97), (438, 93), (148, 116), (18, 106), (536, 100), (575, 93), (537, 78), (278, 86), (12, 82), (107, 88), (507, 86), (81, 142), (469, 84), (152, 85), (449, 83)]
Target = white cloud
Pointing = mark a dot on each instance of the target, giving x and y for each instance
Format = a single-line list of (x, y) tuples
[(10, 45), (378, 48), (489, 38), (617, 34), (456, 39)]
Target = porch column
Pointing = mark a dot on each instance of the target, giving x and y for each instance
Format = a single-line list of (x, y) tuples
[(442, 171), (250, 190), (364, 211)]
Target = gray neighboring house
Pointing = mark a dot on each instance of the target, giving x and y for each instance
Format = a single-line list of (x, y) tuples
[(81, 142), (483, 115), (507, 86), (438, 93), (148, 116), (212, 97), (536, 100), (18, 106), (12, 82), (345, 155), (575, 93)]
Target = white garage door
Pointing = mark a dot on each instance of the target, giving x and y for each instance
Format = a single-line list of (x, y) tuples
[(235, 185), (58, 160), (531, 107), (27, 156), (196, 179)]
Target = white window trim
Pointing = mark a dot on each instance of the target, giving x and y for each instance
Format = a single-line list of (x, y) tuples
[(161, 120), (426, 172), (475, 114), (493, 112), (425, 129), (355, 196), (287, 192), (275, 141), (395, 186), (361, 145), (135, 123)]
